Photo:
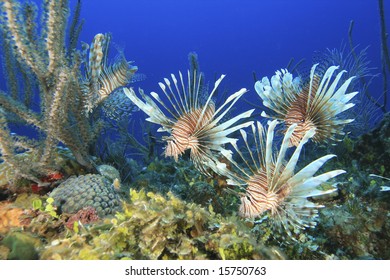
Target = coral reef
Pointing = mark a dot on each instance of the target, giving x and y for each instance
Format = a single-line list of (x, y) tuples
[(87, 190), (9, 217), (154, 227), (91, 200), (373, 148), (84, 216), (185, 182), (108, 171), (22, 246)]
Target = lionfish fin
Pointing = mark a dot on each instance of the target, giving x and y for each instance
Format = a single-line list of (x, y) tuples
[(209, 100)]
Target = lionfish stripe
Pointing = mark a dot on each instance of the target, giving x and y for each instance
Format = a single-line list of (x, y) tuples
[(95, 57), (113, 77)]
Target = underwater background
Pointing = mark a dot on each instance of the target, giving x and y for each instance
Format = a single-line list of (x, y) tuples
[(95, 181), (232, 37)]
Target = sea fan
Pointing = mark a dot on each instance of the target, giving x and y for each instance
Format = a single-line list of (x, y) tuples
[(268, 181), (192, 124), (312, 105)]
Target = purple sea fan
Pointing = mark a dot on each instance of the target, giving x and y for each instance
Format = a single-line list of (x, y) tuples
[(191, 124), (268, 181)]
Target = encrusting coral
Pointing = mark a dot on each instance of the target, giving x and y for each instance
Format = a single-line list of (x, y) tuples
[(68, 95), (315, 104), (193, 124), (157, 227)]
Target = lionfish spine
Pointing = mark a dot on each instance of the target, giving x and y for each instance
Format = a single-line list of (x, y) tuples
[(268, 183), (191, 124), (313, 105)]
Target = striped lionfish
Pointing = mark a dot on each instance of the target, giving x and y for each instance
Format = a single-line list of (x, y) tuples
[(268, 181), (101, 78), (192, 124), (314, 105)]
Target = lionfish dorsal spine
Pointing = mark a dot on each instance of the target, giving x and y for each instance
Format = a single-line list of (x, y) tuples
[(181, 110), (183, 103), (290, 166), (310, 169), (176, 114), (223, 130), (206, 105), (281, 155), (245, 138), (233, 99), (320, 94), (269, 150)]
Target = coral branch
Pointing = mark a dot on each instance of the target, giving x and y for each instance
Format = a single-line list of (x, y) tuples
[(45, 62)]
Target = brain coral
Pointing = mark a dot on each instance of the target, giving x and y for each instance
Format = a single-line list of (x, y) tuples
[(87, 190)]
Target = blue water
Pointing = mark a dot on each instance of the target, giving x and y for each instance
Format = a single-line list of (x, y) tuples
[(230, 36)]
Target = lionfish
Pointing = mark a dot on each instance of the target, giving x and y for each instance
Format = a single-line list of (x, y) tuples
[(192, 124), (267, 180), (117, 106), (101, 78), (313, 105)]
